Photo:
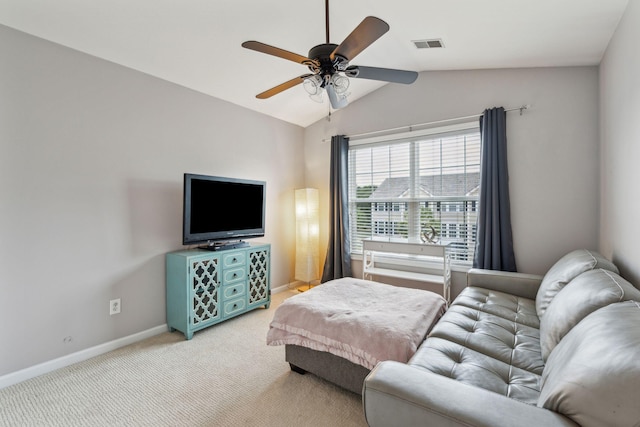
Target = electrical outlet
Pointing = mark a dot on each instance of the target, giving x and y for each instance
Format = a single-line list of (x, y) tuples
[(114, 306)]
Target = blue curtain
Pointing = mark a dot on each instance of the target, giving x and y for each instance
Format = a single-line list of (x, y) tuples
[(338, 261), (494, 244)]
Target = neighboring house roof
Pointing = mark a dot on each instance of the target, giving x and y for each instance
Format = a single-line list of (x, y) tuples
[(433, 185)]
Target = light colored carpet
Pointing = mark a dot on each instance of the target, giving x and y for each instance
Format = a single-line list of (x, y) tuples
[(225, 376)]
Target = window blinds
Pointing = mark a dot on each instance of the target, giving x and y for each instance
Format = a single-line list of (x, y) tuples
[(416, 189)]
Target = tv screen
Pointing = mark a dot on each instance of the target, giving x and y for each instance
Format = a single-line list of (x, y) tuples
[(222, 209)]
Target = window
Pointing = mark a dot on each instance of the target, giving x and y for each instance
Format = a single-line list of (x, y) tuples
[(406, 187)]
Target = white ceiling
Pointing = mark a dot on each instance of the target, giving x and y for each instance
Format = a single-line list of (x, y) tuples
[(196, 43)]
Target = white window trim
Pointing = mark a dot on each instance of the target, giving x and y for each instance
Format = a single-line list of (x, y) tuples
[(414, 134)]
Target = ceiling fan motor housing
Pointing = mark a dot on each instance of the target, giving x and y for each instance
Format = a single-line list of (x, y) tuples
[(322, 55)]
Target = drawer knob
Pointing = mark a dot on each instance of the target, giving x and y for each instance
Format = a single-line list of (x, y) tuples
[(235, 260), (235, 290), (235, 275), (235, 305)]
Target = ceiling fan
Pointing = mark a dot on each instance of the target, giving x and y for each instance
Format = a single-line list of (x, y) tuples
[(329, 63)]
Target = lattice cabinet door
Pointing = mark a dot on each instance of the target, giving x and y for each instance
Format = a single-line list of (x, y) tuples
[(205, 291), (259, 281)]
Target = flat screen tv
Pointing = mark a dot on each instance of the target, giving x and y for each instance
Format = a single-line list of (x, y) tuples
[(222, 211)]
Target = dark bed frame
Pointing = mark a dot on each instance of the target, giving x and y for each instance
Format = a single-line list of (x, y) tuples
[(330, 367)]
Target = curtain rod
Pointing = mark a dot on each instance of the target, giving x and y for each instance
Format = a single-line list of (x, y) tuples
[(410, 128)]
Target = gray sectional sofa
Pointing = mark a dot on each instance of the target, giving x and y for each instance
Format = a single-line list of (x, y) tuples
[(522, 350)]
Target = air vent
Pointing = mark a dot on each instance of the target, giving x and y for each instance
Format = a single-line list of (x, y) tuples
[(428, 43)]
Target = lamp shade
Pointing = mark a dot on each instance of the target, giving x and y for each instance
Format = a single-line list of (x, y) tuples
[(307, 234)]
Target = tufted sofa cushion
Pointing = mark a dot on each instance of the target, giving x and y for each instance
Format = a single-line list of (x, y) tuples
[(487, 339), (465, 365), (510, 307), (566, 269), (508, 341), (592, 375), (585, 294)]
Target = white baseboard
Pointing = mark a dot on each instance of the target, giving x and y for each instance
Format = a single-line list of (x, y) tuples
[(280, 289), (293, 286), (70, 359)]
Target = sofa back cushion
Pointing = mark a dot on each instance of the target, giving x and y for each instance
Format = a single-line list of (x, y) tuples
[(582, 296), (564, 270), (592, 375)]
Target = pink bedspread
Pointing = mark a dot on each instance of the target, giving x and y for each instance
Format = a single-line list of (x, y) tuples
[(362, 321)]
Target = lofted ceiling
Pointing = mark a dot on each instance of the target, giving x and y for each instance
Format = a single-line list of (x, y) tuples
[(196, 43)]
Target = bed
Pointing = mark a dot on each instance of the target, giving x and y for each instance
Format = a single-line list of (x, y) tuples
[(341, 329)]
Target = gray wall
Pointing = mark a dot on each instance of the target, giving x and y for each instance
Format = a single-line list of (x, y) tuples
[(620, 146), (91, 162), (552, 148)]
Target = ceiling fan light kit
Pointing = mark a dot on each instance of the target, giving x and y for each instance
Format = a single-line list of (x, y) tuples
[(313, 86), (329, 64)]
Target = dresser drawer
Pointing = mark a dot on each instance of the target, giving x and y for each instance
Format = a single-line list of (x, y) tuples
[(234, 306), (233, 291), (235, 259), (233, 275)]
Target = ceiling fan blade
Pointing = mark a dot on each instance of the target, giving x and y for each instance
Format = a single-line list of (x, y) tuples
[(383, 74), (282, 87), (337, 102), (369, 30), (275, 51)]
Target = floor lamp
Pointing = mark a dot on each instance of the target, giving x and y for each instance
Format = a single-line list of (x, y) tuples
[(307, 239)]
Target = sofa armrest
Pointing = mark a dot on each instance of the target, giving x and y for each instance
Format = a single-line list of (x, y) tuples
[(396, 394), (519, 284)]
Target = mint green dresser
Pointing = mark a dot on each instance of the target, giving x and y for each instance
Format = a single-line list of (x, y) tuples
[(205, 287)]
